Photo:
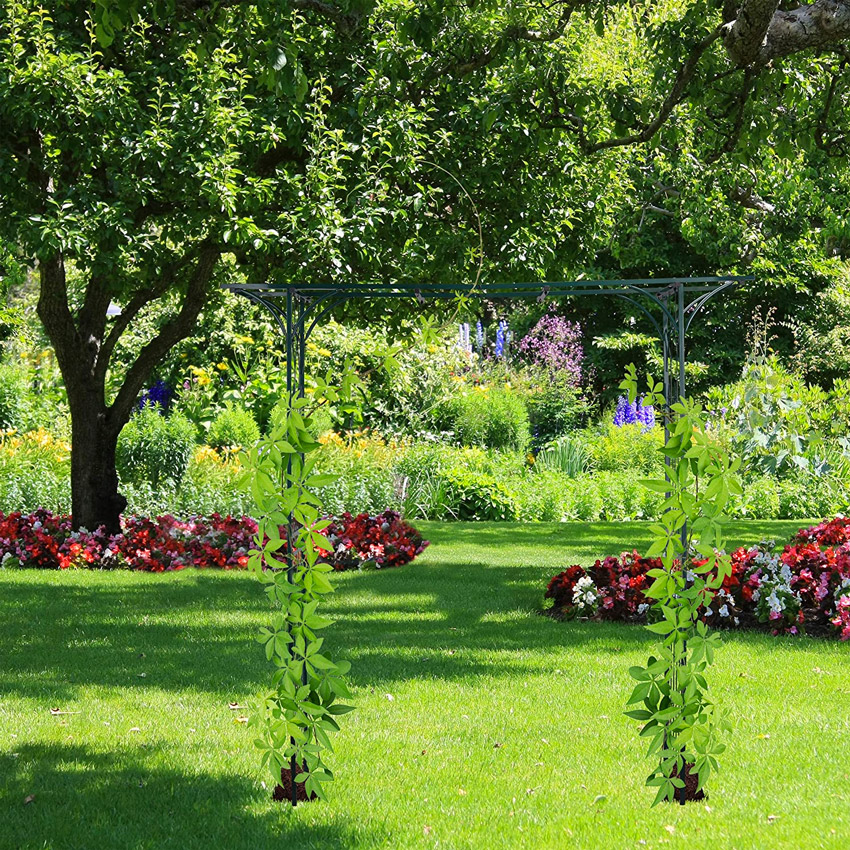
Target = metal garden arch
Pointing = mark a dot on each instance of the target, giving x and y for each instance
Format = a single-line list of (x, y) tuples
[(670, 304)]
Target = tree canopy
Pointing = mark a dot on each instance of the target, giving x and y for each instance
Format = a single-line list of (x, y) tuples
[(151, 149)]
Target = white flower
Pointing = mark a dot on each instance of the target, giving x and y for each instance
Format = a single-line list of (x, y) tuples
[(775, 603), (709, 612), (585, 593), (724, 611), (642, 607)]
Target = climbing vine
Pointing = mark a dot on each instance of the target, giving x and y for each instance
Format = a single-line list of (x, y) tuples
[(295, 719), (682, 722)]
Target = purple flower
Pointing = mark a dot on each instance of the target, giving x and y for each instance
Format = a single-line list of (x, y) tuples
[(159, 394), (620, 412), (555, 343), (634, 413), (646, 416)]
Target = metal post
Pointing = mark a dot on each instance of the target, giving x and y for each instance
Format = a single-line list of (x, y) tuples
[(290, 562), (680, 334), (680, 340)]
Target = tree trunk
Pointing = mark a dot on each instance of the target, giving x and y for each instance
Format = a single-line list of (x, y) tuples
[(83, 346), (95, 499)]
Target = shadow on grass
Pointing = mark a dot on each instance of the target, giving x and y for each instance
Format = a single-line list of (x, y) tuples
[(88, 799), (470, 606)]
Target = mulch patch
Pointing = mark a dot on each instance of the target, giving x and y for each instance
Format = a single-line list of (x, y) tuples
[(283, 793), (691, 782)]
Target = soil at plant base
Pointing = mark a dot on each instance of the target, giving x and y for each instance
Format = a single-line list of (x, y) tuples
[(283, 793), (691, 782)]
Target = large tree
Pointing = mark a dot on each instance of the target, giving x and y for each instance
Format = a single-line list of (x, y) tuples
[(147, 149)]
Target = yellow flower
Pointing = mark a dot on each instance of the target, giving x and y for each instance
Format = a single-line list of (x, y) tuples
[(324, 352), (222, 367)]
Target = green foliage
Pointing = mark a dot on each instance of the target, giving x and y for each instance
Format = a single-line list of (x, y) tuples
[(813, 496), (625, 447), (35, 472), (210, 485), (14, 395), (154, 449), (495, 418), (476, 496), (362, 467), (822, 333), (405, 384), (782, 426), (297, 716), (540, 497), (567, 454), (557, 409), (681, 721), (233, 428), (760, 498)]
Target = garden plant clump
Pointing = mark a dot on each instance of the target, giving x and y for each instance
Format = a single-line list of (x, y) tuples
[(802, 587), (44, 540)]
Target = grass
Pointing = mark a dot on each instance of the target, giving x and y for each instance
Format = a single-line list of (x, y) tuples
[(479, 725)]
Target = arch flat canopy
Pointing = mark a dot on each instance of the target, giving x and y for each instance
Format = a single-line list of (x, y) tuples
[(670, 303)]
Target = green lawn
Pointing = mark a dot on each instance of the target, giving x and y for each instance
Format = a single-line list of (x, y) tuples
[(479, 725)]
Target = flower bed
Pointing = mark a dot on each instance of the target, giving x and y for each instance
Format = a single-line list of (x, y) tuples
[(47, 541), (805, 586)]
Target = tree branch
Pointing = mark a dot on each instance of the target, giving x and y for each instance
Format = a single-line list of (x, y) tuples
[(762, 31), (169, 335), (674, 97), (834, 146), (744, 36), (135, 305), (55, 314)]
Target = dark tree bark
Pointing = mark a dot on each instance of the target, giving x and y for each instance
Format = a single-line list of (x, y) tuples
[(83, 347)]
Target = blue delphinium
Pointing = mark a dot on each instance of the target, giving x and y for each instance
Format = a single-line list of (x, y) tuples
[(479, 337), (501, 338), (646, 415), (634, 413), (620, 412), (159, 394)]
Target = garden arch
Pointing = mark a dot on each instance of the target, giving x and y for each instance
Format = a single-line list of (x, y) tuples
[(670, 304)]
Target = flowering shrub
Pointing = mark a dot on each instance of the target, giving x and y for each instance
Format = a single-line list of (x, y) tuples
[(381, 541), (803, 586), (47, 541), (555, 343)]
